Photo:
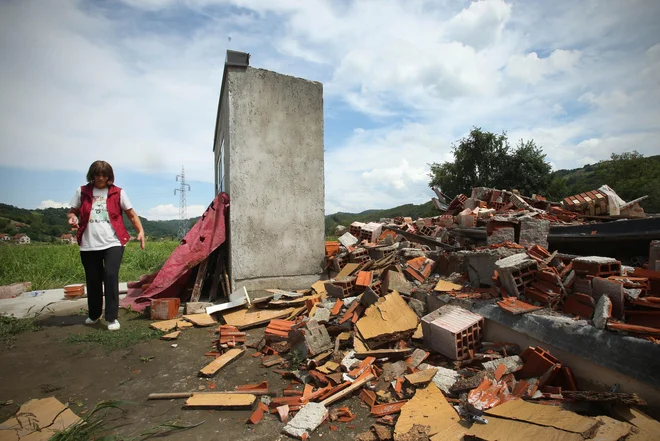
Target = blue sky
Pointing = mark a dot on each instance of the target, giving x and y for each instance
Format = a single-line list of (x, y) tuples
[(136, 83)]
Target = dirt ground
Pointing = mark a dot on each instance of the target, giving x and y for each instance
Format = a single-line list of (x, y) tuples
[(44, 364)]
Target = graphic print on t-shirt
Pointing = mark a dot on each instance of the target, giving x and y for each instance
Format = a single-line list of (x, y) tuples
[(99, 210)]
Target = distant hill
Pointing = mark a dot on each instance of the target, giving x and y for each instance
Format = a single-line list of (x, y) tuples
[(412, 210), (573, 181), (45, 225)]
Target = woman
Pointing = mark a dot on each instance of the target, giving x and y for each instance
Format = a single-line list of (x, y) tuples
[(96, 210)]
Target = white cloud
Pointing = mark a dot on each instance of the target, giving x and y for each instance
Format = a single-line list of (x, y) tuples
[(53, 204), (171, 211), (138, 85)]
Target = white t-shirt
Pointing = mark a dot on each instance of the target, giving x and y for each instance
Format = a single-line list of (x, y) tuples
[(99, 234)]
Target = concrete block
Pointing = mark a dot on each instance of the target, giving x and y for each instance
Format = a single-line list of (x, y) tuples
[(308, 418), (582, 286), (480, 265), (369, 297), (452, 331), (417, 306), (515, 262), (534, 231), (340, 230), (321, 315), (444, 378), (197, 307), (613, 290), (396, 281), (513, 364), (317, 338), (506, 234), (347, 239), (603, 312)]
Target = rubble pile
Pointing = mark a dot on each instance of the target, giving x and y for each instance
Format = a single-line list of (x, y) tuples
[(392, 325)]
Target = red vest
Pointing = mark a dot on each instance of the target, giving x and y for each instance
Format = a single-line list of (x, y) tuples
[(114, 212)]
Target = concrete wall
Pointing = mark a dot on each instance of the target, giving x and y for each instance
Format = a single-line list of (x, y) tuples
[(274, 152)]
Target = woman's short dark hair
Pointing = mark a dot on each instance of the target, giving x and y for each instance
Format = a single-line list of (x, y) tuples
[(101, 168)]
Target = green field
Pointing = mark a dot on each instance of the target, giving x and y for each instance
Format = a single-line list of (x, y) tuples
[(53, 266)]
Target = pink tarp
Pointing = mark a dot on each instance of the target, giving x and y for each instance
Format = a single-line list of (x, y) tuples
[(203, 238)]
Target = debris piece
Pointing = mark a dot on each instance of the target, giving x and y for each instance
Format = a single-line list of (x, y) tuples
[(499, 429), (549, 416), (647, 426), (310, 416), (170, 325), (516, 306), (384, 353), (513, 364), (489, 393), (171, 336), (164, 309), (429, 408), (197, 307), (200, 319), (221, 401), (380, 410), (237, 298), (212, 368), (365, 377), (537, 362), (283, 412), (446, 286), (258, 413), (389, 319), (445, 378), (38, 420), (246, 318), (452, 331), (611, 429), (603, 312), (421, 377), (610, 397)]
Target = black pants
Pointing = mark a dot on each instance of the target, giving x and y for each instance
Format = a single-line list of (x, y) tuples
[(102, 270)]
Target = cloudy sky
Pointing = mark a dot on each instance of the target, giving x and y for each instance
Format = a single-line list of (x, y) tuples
[(136, 83)]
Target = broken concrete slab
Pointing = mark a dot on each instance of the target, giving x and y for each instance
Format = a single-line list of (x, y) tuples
[(347, 240), (534, 232), (603, 312), (389, 319), (445, 378), (197, 307), (613, 290), (38, 420), (429, 408), (396, 281), (308, 418), (549, 416), (512, 364)]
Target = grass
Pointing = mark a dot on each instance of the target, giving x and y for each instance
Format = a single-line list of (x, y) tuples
[(133, 330), (11, 326), (97, 425), (54, 265)]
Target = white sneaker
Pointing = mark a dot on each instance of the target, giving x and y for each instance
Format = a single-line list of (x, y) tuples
[(114, 325), (89, 321)]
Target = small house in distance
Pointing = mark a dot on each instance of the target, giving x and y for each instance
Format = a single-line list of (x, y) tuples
[(67, 238), (21, 238), (268, 151)]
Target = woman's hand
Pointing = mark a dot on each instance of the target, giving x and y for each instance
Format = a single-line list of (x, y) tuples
[(140, 237), (73, 220)]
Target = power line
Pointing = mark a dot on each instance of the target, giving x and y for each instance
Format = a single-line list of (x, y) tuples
[(183, 223)]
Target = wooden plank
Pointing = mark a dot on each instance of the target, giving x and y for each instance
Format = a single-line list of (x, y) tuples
[(429, 408), (199, 281), (549, 416), (221, 401), (216, 277), (367, 376), (213, 367), (200, 319), (249, 317)]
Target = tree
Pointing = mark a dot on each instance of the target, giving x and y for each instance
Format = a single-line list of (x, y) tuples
[(484, 159), (632, 175)]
